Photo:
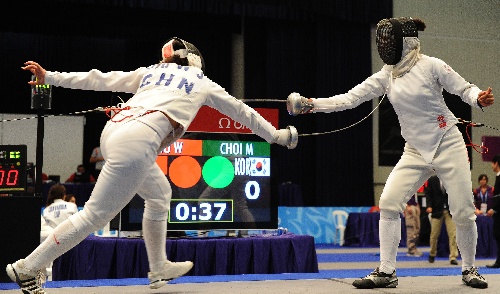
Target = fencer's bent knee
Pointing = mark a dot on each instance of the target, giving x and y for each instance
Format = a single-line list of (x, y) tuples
[(386, 203)]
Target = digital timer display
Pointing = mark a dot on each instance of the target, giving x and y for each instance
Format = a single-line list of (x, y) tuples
[(13, 169), (210, 210)]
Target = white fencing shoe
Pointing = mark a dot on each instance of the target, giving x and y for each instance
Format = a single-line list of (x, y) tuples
[(29, 281), (473, 279), (377, 279), (170, 271)]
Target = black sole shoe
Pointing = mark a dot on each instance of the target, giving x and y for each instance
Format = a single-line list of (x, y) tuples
[(377, 279)]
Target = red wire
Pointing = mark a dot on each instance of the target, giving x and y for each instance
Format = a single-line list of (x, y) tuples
[(474, 146), (116, 110)]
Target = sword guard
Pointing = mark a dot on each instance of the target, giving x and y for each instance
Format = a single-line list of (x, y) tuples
[(294, 137), (297, 104)]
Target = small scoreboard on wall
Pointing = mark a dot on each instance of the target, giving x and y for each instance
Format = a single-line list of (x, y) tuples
[(13, 160), (220, 174)]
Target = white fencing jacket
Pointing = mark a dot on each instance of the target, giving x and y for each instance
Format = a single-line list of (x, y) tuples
[(416, 98), (57, 212), (178, 91)]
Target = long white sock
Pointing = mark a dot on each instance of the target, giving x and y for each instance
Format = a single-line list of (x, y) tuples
[(467, 242), (390, 236), (155, 238), (61, 239)]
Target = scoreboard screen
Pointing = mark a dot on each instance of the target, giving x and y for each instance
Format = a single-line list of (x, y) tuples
[(219, 181), (13, 169)]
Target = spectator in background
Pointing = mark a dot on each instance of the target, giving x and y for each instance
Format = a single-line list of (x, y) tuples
[(81, 176), (483, 196), (495, 165), (437, 206), (70, 198), (56, 211), (412, 220), (97, 158)]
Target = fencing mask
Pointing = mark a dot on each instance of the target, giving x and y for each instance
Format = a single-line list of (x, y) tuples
[(389, 39), (189, 51)]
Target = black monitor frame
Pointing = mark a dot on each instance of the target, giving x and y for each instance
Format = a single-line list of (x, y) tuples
[(265, 213)]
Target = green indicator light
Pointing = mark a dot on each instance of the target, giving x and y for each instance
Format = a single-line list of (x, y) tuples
[(218, 172)]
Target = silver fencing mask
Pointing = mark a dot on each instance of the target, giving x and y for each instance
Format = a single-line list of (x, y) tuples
[(190, 52), (390, 34)]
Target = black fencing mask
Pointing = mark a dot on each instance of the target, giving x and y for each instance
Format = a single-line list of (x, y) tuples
[(389, 39)]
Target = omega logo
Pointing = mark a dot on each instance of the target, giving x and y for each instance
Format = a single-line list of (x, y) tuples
[(225, 122)]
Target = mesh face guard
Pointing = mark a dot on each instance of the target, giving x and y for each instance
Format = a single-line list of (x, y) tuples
[(389, 39), (190, 52)]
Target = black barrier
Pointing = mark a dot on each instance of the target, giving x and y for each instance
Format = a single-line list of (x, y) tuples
[(20, 229)]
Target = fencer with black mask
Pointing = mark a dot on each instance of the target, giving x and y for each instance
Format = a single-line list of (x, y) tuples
[(413, 83)]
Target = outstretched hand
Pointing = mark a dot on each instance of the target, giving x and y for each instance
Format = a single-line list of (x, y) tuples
[(485, 98), (37, 70)]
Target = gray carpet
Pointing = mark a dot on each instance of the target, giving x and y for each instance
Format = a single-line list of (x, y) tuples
[(422, 284)]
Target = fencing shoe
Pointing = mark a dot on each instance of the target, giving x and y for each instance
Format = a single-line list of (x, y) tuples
[(377, 279), (29, 281), (473, 279), (170, 271)]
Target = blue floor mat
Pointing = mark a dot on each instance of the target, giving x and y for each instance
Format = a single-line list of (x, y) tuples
[(323, 274)]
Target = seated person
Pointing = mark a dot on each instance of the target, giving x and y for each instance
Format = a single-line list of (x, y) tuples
[(56, 211), (70, 198), (81, 176)]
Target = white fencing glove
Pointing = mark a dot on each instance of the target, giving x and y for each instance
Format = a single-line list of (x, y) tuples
[(296, 104), (288, 137)]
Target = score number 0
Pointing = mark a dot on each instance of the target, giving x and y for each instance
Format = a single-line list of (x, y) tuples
[(10, 177)]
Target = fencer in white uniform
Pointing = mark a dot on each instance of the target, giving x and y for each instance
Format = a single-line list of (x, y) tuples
[(56, 211), (167, 97), (414, 83), (54, 214)]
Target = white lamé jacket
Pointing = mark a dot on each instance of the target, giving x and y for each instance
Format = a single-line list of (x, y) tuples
[(416, 98), (178, 91)]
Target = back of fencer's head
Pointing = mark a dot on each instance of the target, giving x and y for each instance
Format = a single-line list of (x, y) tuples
[(57, 191), (181, 52)]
